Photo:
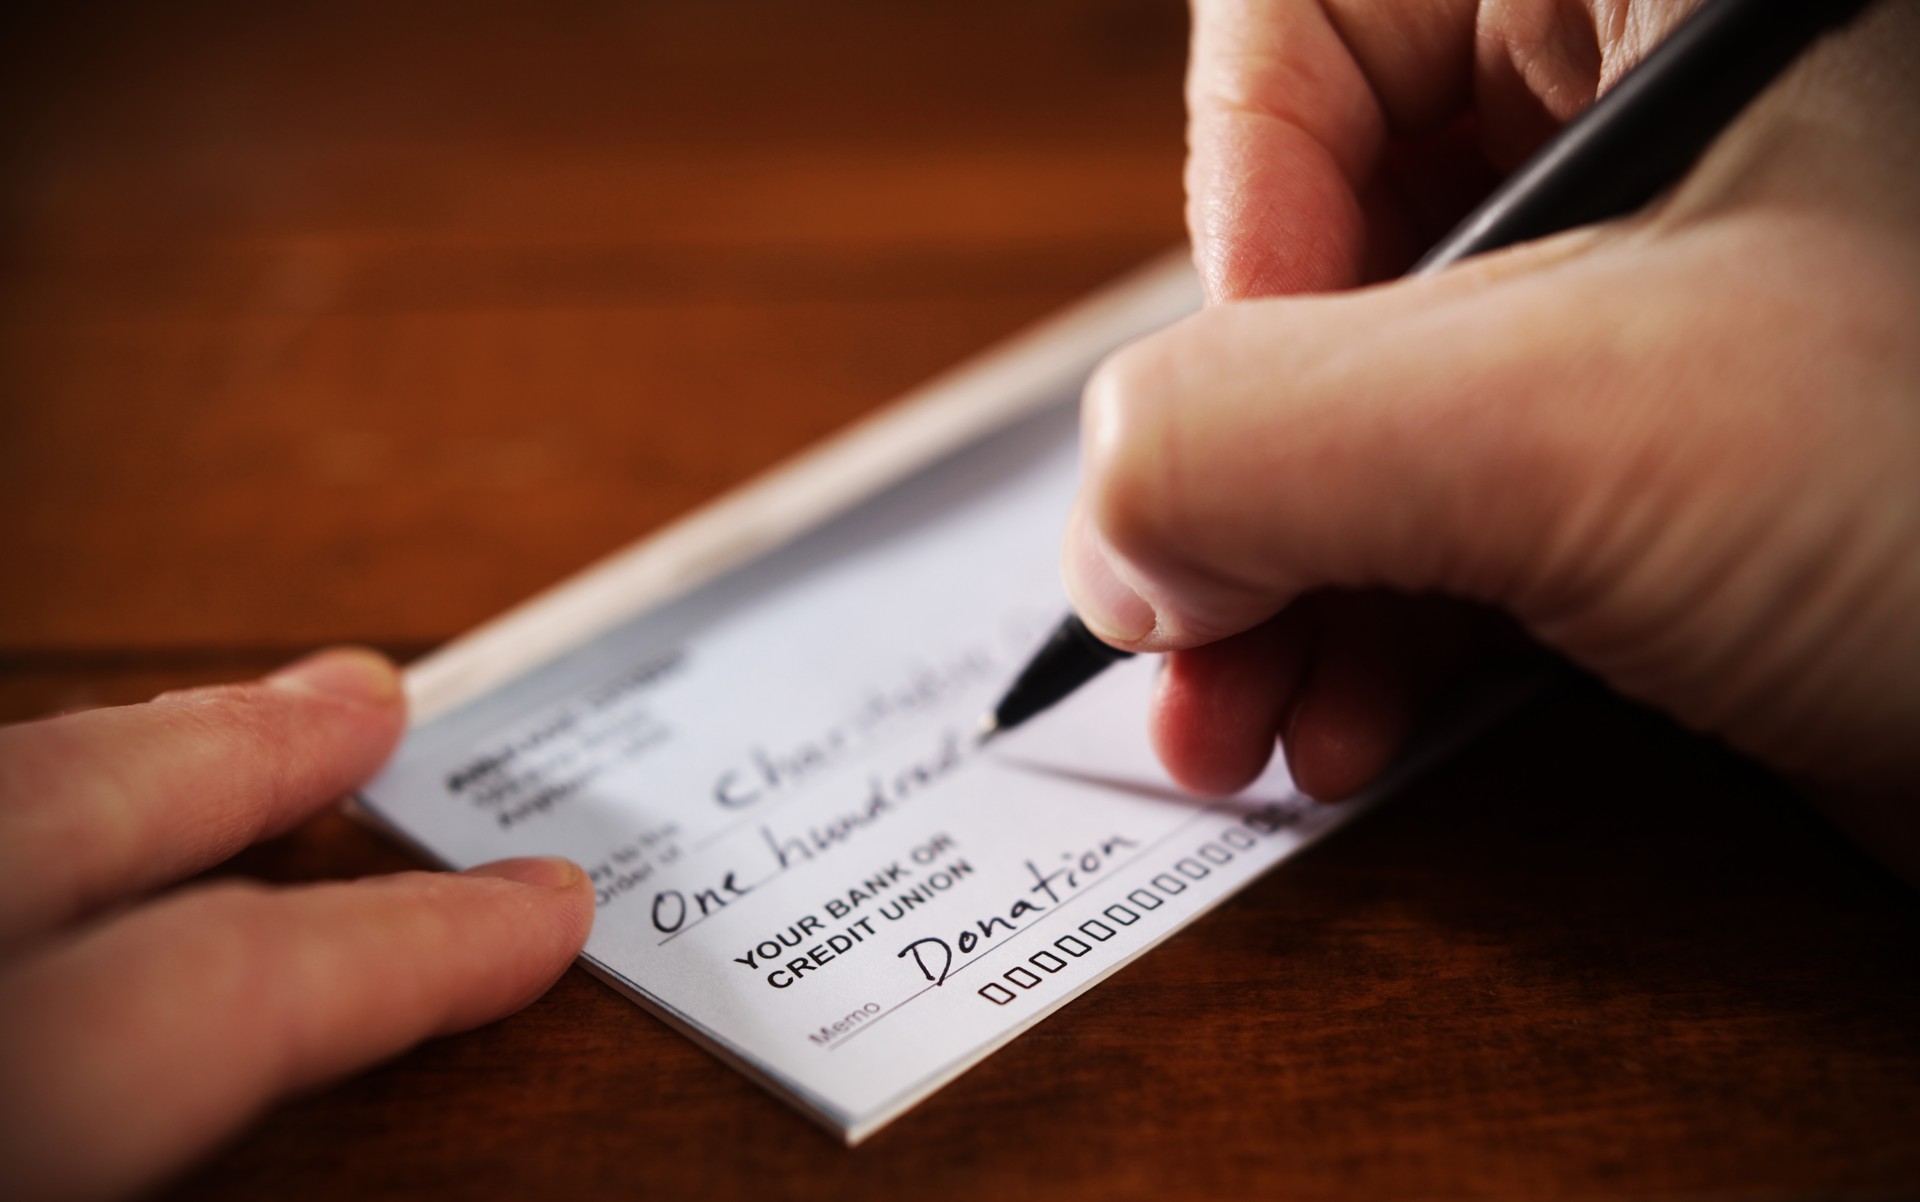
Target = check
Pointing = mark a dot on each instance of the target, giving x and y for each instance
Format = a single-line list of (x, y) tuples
[(801, 858)]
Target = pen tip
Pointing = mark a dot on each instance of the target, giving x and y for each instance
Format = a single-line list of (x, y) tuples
[(988, 728)]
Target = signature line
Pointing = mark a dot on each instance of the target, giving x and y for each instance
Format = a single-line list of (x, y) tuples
[(868, 1026)]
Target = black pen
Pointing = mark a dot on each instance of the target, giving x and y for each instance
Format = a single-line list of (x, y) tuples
[(1626, 148)]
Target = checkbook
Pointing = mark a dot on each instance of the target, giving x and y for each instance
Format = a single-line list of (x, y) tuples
[(755, 731)]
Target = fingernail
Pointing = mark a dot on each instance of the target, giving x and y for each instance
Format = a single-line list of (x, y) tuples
[(1106, 603), (353, 673), (545, 872)]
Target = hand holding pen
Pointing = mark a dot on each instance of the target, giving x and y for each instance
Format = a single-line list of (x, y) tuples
[(1682, 446)]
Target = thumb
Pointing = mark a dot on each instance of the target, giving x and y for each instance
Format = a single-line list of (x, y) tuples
[(1417, 436)]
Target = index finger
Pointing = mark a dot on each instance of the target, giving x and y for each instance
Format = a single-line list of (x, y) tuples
[(101, 804)]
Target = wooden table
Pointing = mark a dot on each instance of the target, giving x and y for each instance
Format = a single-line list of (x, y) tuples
[(359, 322)]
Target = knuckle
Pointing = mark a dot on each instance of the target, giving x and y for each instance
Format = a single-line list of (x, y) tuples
[(1125, 412), (220, 932), (249, 724), (230, 713)]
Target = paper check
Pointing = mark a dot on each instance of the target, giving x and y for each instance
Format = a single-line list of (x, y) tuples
[(761, 750)]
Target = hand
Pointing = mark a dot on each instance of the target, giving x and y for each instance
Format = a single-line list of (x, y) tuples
[(1683, 448), (136, 1034)]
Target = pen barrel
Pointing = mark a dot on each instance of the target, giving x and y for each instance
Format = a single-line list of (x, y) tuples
[(1647, 131), (1071, 656)]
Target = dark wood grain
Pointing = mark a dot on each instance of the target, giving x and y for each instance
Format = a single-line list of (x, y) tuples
[(360, 322)]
